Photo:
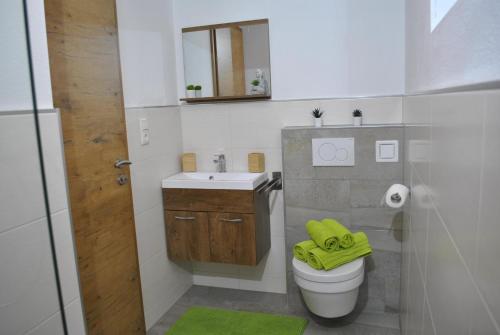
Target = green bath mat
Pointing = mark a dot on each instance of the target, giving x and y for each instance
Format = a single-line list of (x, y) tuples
[(212, 321)]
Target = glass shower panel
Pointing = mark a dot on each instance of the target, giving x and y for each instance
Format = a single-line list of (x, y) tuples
[(30, 295)]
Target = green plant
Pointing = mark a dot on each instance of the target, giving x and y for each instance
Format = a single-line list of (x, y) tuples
[(190, 87), (197, 87), (357, 113), (255, 82), (317, 113)]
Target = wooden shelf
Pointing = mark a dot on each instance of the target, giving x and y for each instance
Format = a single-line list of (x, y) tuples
[(227, 99)]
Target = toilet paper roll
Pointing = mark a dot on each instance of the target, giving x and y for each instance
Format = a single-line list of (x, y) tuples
[(396, 195)]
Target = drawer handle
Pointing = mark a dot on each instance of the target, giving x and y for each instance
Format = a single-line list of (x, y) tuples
[(185, 217), (232, 220)]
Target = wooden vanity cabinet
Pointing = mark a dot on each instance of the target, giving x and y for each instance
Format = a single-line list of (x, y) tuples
[(223, 226)]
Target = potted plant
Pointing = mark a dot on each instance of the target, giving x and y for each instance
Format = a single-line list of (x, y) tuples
[(357, 117), (190, 93), (197, 91), (317, 117), (256, 89)]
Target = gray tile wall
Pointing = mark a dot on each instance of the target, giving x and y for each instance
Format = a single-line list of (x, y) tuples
[(352, 195), (450, 272)]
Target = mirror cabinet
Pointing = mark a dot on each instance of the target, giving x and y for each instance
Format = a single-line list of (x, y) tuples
[(228, 61)]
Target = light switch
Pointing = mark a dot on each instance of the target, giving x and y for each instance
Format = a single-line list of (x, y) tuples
[(333, 151), (144, 131), (386, 151)]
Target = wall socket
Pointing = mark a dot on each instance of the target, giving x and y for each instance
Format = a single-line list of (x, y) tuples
[(144, 131)]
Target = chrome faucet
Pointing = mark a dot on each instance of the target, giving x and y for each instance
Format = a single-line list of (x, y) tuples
[(221, 163)]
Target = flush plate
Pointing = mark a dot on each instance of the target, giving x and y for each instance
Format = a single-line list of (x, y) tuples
[(333, 151), (387, 151)]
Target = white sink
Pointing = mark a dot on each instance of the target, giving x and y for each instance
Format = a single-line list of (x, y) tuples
[(215, 180)]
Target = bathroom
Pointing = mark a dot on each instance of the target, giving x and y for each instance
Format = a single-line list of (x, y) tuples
[(113, 104)]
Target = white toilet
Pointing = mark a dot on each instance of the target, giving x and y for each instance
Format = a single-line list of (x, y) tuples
[(333, 293)]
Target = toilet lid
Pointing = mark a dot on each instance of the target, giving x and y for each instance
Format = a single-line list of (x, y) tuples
[(342, 273)]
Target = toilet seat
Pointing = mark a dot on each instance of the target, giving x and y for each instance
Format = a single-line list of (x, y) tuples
[(343, 273)]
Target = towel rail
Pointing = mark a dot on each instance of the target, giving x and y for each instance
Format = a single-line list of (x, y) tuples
[(272, 185)]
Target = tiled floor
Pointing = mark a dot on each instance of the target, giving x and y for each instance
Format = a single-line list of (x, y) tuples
[(262, 302)]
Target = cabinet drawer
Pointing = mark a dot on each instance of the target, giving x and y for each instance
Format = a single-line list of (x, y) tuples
[(236, 201), (187, 236), (232, 238)]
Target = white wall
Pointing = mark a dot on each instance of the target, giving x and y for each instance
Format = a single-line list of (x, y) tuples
[(198, 56), (148, 72), (237, 129), (463, 49), (163, 281), (28, 295), (28, 292), (147, 52), (450, 275), (340, 48), (15, 91)]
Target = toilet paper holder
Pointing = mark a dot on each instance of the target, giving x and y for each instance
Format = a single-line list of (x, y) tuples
[(396, 197)]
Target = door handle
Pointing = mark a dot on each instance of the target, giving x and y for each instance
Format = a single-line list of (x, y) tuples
[(232, 220), (185, 217), (119, 163)]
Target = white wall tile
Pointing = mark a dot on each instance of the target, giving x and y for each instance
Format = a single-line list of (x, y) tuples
[(276, 206), (165, 132), (66, 260), (74, 318), (163, 281), (28, 289), (53, 157), (205, 127), (272, 264), (448, 285), (150, 231), (216, 280), (461, 187), (427, 323), (255, 126), (50, 326), (216, 268), (22, 199), (419, 211), (146, 180), (488, 249), (157, 276), (457, 121), (482, 320), (266, 283), (416, 296)]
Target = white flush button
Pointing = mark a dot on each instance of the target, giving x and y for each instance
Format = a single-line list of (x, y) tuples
[(333, 151), (386, 151)]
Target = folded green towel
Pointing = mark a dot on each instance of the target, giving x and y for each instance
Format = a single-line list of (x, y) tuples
[(301, 249), (322, 235), (343, 234), (321, 259)]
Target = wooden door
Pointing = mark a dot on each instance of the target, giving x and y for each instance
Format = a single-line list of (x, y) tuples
[(230, 61), (87, 88), (187, 236), (232, 238), (237, 55)]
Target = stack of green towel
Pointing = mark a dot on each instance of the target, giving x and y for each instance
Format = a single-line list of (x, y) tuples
[(331, 245)]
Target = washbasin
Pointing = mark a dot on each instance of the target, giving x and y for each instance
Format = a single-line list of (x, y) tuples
[(215, 180)]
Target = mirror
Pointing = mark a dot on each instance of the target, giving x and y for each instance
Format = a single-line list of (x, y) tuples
[(227, 61)]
